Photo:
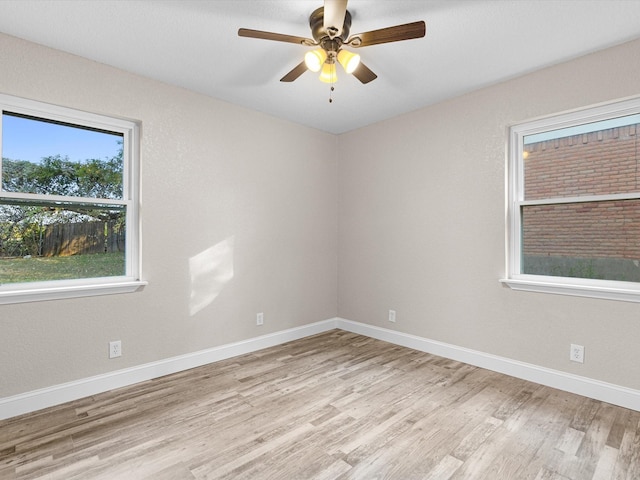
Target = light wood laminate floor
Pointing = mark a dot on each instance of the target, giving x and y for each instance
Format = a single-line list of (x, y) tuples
[(332, 406)]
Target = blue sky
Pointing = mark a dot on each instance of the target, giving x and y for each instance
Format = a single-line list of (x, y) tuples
[(25, 139)]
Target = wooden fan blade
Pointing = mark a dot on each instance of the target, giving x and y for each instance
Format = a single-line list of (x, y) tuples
[(364, 74), (389, 34), (334, 12), (295, 73), (278, 37)]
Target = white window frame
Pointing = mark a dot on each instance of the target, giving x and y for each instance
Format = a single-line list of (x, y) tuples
[(59, 289), (583, 287)]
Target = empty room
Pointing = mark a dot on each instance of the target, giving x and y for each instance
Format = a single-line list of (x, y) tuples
[(320, 239)]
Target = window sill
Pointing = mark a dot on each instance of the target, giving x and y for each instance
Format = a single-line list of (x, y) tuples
[(608, 290), (68, 291)]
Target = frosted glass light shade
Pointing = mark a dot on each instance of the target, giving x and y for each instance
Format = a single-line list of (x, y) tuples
[(328, 73), (348, 60), (314, 59)]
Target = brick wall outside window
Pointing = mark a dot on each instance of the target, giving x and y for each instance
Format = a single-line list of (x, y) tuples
[(596, 163)]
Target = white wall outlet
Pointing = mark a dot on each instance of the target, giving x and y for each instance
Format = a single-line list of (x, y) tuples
[(576, 353), (115, 349), (392, 316), (260, 318)]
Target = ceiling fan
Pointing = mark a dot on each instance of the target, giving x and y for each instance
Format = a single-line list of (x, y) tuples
[(330, 26)]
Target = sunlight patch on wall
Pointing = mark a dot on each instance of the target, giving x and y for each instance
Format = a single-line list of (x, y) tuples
[(210, 271)]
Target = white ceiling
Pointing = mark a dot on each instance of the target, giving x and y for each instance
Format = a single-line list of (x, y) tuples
[(194, 44)]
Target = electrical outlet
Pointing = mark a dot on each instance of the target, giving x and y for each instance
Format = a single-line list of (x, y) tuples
[(260, 318), (392, 316), (576, 353), (115, 349)]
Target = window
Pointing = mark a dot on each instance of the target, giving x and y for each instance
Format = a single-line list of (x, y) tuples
[(574, 203), (68, 203)]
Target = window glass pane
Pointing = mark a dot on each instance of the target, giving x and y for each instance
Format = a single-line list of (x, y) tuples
[(53, 158), (597, 240), (593, 159), (40, 242)]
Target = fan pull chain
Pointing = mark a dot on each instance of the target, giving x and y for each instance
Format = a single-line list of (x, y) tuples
[(333, 81)]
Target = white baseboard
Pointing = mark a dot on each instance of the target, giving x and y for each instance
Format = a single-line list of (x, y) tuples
[(57, 394), (606, 392)]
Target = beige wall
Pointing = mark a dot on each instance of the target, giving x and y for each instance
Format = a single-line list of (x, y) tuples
[(411, 218), (422, 226), (211, 173)]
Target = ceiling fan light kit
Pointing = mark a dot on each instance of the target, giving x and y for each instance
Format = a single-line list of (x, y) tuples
[(314, 59), (330, 26), (328, 73), (348, 60)]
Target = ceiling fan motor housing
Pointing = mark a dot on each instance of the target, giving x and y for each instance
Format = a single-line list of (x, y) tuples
[(316, 22)]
